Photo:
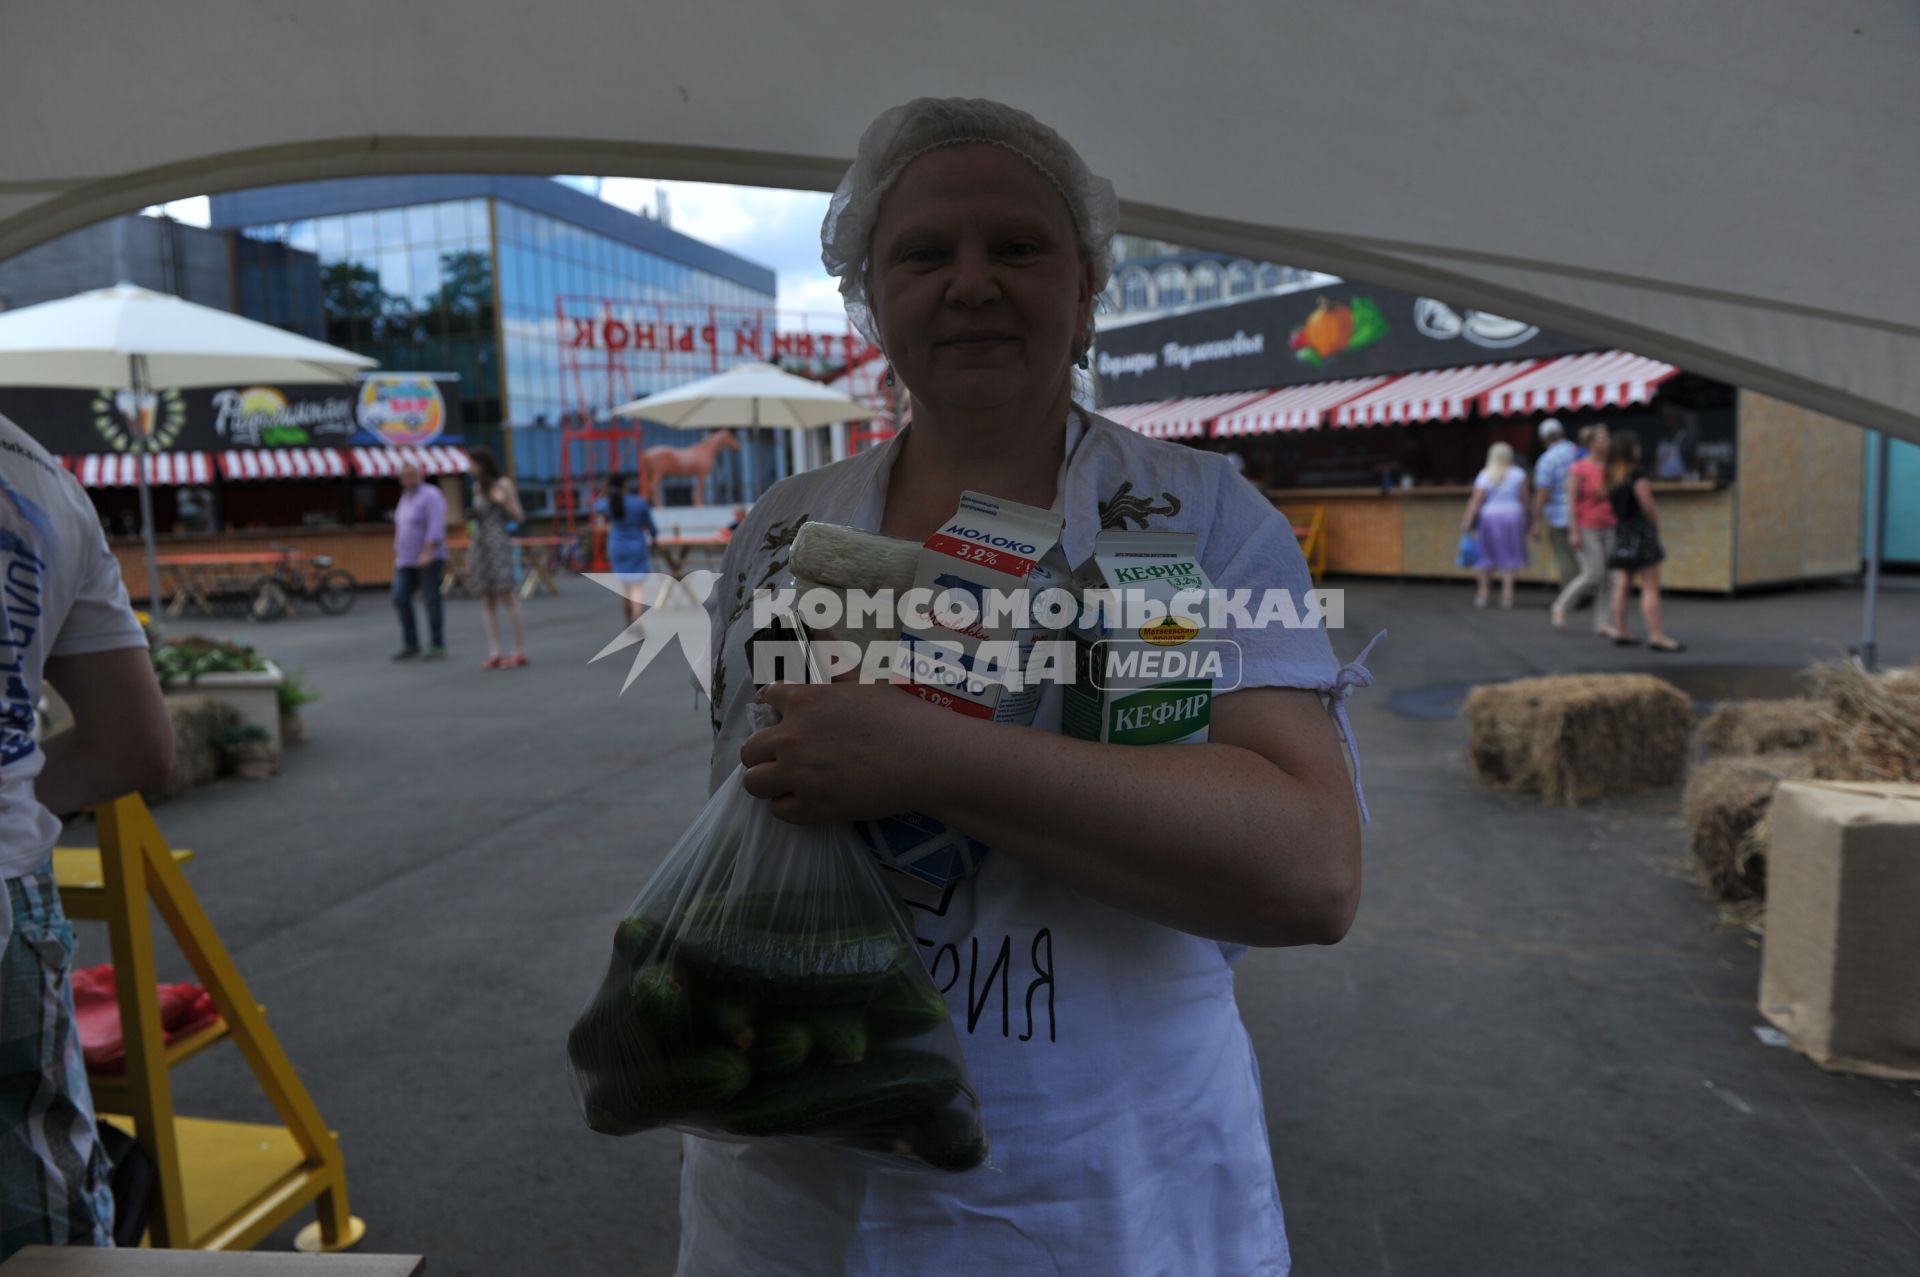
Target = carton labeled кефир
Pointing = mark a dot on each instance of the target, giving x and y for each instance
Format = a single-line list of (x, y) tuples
[(1144, 659)]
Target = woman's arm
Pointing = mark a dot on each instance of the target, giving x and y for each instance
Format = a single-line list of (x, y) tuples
[(506, 496), (1474, 503), (1643, 491), (1253, 837)]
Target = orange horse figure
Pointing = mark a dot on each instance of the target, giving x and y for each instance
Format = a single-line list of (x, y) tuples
[(693, 462)]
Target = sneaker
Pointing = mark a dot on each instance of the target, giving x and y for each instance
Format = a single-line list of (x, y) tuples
[(436, 652), (406, 654)]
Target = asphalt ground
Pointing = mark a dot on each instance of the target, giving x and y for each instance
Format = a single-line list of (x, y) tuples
[(1534, 1054)]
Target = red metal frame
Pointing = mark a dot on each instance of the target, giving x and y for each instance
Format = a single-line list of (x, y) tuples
[(607, 344)]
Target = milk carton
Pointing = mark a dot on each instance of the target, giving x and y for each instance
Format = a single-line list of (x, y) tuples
[(965, 658), (1144, 662)]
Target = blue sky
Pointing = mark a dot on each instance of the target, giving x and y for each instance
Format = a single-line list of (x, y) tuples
[(777, 229)]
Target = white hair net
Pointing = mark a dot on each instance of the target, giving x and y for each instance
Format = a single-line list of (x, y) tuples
[(905, 133)]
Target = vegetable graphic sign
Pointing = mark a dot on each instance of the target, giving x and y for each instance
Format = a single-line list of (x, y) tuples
[(1334, 327)]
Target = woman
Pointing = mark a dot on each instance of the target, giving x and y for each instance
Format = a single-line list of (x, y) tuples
[(1119, 1088), (630, 533), (1589, 530), (490, 557), (1499, 503), (1637, 554)]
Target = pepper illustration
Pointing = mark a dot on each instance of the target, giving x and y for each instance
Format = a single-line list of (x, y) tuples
[(1334, 327)]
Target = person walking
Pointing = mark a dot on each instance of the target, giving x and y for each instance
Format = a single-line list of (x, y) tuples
[(68, 625), (1498, 509), (1637, 553), (630, 533), (1550, 510), (490, 557), (1589, 532), (419, 559)]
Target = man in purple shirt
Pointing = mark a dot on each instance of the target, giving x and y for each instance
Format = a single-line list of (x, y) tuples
[(419, 555)]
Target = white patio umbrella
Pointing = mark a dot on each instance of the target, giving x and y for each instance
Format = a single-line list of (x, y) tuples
[(751, 396), (126, 338)]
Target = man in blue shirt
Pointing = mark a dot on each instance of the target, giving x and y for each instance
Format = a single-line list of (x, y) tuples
[(1550, 495)]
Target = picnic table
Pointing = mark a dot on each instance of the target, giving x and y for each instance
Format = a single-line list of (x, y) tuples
[(675, 551), (191, 580), (539, 567)]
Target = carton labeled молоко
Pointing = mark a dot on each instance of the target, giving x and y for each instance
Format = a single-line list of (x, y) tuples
[(1144, 659), (971, 658)]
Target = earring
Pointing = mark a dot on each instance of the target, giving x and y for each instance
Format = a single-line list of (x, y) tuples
[(889, 376), (1083, 361)]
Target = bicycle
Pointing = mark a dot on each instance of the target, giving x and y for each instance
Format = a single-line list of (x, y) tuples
[(318, 581)]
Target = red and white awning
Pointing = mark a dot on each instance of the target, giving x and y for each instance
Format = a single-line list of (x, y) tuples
[(1187, 418), (122, 469), (1293, 407), (1439, 395), (1596, 380), (283, 463), (385, 462), (1126, 414)]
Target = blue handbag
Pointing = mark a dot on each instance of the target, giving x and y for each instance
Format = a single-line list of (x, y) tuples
[(1469, 550)]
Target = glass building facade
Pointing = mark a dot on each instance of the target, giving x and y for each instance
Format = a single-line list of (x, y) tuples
[(479, 276)]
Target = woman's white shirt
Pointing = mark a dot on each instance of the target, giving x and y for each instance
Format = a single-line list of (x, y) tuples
[(1504, 493), (1118, 1085)]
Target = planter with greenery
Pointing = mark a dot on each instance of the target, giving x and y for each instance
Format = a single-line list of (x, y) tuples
[(230, 673)]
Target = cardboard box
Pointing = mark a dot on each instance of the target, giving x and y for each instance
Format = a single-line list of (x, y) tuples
[(1840, 972)]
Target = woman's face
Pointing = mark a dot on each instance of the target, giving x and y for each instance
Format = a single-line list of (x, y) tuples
[(977, 283), (1601, 442)]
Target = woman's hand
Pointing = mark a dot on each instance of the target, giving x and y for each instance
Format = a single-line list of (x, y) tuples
[(844, 751)]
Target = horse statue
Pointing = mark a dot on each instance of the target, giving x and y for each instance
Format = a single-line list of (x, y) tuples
[(693, 462)]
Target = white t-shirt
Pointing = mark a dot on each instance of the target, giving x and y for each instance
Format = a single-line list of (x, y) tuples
[(1118, 1085), (60, 595), (1504, 494)]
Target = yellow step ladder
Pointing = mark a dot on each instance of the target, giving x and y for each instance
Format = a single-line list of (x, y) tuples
[(222, 1185)]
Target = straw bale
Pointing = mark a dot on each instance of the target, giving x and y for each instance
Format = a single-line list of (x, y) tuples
[(1761, 727), (199, 725), (1574, 737), (1725, 807), (1873, 722)]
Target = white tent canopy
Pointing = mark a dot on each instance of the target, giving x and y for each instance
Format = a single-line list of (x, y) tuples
[(1726, 184), (749, 395)]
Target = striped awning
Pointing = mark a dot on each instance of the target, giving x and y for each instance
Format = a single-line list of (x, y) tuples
[(283, 463), (1439, 395), (1125, 414), (1293, 407), (122, 469), (1596, 380), (382, 463), (1187, 418)]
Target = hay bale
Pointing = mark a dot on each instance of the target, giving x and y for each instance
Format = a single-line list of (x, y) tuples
[(200, 723), (1745, 728), (1574, 737), (1725, 808), (1873, 723)]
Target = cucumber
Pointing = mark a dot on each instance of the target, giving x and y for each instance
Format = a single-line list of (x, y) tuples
[(907, 1005), (660, 1001), (783, 1047), (840, 1033), (636, 938), (733, 1019), (887, 1086)]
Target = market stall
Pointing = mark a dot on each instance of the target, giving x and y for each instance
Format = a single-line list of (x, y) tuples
[(1376, 410), (239, 471)]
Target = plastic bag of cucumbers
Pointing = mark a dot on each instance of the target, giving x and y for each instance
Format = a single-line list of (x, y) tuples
[(766, 984)]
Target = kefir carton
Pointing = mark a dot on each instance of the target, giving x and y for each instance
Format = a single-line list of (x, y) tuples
[(1144, 661)]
